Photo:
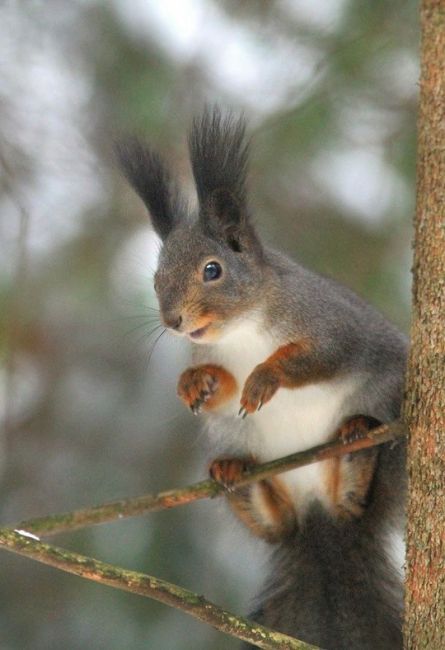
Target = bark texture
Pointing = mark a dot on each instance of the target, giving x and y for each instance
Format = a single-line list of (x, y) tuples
[(425, 404)]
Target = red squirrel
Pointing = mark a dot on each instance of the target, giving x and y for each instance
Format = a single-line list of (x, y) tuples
[(283, 359)]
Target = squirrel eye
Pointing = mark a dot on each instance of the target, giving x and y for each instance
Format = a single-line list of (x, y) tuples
[(212, 271)]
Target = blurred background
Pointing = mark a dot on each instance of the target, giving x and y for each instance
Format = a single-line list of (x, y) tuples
[(88, 405)]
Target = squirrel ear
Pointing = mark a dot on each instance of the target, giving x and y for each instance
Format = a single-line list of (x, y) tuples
[(219, 153), (223, 217), (149, 177)]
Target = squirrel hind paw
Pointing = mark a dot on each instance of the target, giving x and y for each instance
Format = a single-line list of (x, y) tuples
[(228, 471), (357, 427)]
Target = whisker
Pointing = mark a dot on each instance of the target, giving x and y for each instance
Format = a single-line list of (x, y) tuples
[(153, 348), (146, 335), (144, 324), (139, 303), (133, 317)]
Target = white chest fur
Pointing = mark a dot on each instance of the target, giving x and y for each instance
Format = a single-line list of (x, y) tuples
[(294, 419)]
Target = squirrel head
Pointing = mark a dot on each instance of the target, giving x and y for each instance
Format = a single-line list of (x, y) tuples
[(210, 268)]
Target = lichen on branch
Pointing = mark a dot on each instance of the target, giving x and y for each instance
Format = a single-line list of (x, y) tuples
[(145, 585)]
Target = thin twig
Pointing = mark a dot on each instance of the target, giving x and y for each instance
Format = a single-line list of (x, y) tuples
[(150, 587), (49, 525)]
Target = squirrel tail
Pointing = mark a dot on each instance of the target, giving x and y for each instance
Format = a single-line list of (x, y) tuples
[(334, 586)]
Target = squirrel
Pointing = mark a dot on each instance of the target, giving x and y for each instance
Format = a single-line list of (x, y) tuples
[(283, 360)]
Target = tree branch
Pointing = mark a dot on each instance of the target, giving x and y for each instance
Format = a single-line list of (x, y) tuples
[(123, 508), (148, 586), (22, 541)]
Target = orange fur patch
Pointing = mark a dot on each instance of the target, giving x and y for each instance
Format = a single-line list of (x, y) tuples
[(348, 478), (333, 479), (206, 385), (203, 321), (264, 381), (303, 346), (270, 515)]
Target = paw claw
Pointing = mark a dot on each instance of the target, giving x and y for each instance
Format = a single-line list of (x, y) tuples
[(196, 387), (243, 413), (261, 385)]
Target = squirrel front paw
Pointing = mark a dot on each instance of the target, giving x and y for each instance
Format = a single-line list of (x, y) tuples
[(261, 385), (205, 387)]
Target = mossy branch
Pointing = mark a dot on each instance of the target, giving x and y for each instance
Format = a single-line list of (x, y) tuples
[(131, 507), (22, 540), (145, 585)]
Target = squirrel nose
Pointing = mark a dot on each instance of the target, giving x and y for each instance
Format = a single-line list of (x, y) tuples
[(173, 322)]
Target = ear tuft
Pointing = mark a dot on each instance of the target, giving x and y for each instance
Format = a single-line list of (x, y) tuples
[(219, 156), (149, 177)]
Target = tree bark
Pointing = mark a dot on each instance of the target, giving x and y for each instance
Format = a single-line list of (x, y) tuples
[(425, 404)]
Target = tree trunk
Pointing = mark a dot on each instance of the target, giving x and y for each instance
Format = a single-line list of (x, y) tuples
[(425, 404)]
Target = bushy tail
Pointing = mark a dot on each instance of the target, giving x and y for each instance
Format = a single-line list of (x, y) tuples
[(333, 586), (332, 582)]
